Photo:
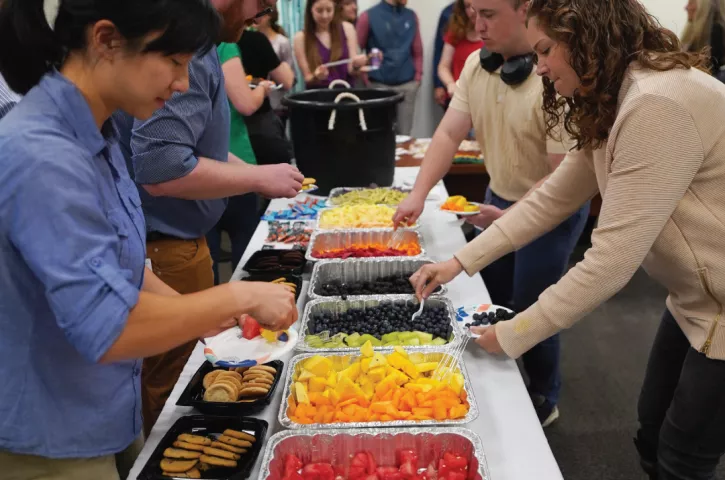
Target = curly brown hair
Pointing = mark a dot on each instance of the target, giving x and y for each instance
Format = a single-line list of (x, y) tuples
[(603, 38), (459, 24)]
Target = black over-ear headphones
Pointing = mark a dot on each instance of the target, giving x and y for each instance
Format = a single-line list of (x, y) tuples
[(514, 71)]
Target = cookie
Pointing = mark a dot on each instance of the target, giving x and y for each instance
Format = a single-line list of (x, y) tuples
[(218, 462), (203, 467), (189, 446), (258, 380), (241, 370), (221, 392), (193, 473), (218, 452), (177, 466), (264, 368), (264, 379), (233, 382), (179, 453), (234, 441), (228, 448), (195, 439), (252, 391), (249, 375), (239, 435), (226, 373), (309, 181), (210, 377)]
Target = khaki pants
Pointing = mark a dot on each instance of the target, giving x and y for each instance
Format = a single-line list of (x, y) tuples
[(186, 266), (31, 467), (406, 109)]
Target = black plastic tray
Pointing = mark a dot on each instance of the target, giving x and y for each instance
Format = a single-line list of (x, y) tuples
[(205, 425), (251, 267), (269, 277), (193, 394)]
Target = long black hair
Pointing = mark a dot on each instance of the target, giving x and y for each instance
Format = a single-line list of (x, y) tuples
[(30, 47)]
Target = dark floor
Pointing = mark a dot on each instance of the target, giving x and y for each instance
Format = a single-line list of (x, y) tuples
[(603, 362)]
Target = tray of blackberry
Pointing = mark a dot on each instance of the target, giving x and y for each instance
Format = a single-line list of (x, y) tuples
[(384, 320), (365, 277), (482, 315)]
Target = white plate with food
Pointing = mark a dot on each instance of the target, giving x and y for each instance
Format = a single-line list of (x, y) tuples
[(237, 348), (480, 315), (463, 213)]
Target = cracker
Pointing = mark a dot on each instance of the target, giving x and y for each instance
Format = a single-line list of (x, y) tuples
[(195, 439), (234, 441), (218, 462), (218, 452), (178, 466), (181, 454), (189, 446), (228, 448), (309, 181), (239, 435)]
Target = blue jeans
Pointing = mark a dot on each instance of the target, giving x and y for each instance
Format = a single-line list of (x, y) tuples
[(517, 280), (681, 409), (240, 220)]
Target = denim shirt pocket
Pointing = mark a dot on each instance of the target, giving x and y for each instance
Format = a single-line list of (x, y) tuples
[(116, 217)]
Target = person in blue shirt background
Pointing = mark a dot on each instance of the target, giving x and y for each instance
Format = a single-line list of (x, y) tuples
[(440, 93), (184, 171), (78, 310), (8, 98)]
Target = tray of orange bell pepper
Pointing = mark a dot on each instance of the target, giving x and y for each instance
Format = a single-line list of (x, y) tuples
[(374, 388)]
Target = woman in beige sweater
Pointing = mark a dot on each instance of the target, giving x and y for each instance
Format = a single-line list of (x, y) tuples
[(650, 132)]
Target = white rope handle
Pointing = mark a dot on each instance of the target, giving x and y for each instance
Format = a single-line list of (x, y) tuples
[(339, 81), (333, 115)]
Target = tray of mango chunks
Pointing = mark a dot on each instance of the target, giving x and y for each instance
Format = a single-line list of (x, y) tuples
[(370, 243), (383, 320), (343, 279), (372, 389), (399, 453)]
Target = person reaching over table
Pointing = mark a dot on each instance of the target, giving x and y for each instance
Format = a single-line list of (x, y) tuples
[(184, 171), (501, 97), (461, 40), (78, 309), (326, 39), (649, 123)]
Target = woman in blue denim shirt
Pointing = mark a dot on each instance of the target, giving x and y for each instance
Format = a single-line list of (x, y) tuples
[(78, 310)]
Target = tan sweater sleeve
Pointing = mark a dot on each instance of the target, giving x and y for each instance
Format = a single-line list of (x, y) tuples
[(564, 192), (655, 155)]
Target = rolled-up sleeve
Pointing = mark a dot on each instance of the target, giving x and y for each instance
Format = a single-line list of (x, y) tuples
[(163, 147), (89, 292)]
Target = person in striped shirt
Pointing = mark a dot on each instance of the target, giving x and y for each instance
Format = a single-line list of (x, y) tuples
[(8, 98)]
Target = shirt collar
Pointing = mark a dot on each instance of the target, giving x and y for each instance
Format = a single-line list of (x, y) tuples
[(392, 8), (74, 108)]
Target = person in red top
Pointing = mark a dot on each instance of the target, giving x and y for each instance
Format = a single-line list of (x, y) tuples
[(461, 41)]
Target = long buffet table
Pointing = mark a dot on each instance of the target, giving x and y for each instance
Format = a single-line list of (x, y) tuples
[(513, 441)]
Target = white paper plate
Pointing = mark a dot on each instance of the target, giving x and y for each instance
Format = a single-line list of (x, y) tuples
[(461, 214), (230, 349), (311, 189), (402, 138), (465, 313), (276, 87)]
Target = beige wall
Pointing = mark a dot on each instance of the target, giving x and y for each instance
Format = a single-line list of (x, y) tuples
[(670, 13)]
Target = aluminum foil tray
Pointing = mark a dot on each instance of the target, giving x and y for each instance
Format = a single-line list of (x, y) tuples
[(431, 355), (331, 239), (363, 270), (416, 226), (337, 446), (336, 192), (341, 306)]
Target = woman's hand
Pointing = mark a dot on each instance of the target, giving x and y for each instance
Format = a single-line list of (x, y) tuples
[(431, 276), (359, 61), (273, 306), (267, 86), (451, 88), (321, 73), (488, 340)]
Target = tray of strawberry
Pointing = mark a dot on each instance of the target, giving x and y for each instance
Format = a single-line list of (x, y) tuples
[(373, 243), (447, 453)]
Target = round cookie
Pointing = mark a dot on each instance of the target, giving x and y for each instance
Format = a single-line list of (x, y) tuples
[(210, 377), (240, 435), (218, 462), (177, 466), (180, 454)]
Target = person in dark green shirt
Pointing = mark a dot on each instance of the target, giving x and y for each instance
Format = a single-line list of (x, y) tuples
[(241, 216)]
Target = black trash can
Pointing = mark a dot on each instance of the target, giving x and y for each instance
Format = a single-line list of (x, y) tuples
[(348, 144)]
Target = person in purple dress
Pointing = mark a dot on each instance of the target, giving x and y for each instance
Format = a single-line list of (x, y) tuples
[(326, 38)]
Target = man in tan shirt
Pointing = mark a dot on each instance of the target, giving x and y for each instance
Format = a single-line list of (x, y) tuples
[(502, 102)]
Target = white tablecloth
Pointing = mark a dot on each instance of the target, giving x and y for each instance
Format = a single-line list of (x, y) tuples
[(514, 443)]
